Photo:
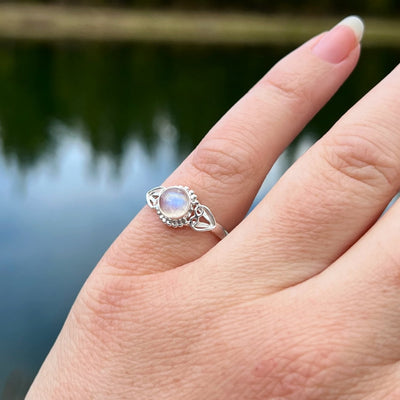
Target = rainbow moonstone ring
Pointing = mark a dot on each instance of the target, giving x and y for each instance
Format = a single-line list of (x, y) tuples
[(177, 206)]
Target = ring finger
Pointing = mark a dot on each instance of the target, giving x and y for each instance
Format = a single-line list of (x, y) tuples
[(229, 165)]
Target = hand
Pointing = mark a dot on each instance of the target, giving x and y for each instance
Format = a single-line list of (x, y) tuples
[(300, 301)]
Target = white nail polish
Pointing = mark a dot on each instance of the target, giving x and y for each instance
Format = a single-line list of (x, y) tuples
[(356, 24)]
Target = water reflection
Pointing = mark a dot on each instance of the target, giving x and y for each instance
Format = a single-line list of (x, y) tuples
[(85, 131)]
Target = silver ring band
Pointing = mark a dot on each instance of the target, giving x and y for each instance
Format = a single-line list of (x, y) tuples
[(178, 206)]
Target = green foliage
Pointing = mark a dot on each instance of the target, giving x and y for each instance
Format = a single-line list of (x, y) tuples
[(364, 7)]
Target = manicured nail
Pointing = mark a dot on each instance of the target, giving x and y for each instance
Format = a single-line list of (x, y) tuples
[(337, 44)]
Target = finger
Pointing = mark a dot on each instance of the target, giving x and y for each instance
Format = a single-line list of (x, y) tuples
[(367, 279), (231, 162), (328, 199)]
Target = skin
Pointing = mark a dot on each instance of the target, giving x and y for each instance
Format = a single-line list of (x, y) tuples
[(300, 301)]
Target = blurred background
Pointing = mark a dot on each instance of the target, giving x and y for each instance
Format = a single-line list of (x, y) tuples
[(100, 100)]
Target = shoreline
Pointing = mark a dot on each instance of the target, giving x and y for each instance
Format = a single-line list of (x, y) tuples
[(49, 23)]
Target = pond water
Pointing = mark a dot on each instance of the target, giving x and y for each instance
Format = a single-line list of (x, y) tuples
[(85, 131)]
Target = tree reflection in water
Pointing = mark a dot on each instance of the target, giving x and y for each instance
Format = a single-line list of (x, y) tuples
[(113, 92)]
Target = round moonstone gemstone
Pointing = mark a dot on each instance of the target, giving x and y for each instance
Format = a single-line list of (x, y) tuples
[(174, 202)]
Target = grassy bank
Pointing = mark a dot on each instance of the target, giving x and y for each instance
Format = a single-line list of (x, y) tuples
[(40, 22)]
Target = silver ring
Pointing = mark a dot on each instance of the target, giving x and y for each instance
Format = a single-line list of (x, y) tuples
[(178, 206)]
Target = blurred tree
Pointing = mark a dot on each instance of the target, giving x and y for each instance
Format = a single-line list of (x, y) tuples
[(340, 7)]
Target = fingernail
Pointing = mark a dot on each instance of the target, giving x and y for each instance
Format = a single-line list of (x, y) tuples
[(337, 44)]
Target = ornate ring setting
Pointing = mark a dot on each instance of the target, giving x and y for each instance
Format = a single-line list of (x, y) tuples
[(178, 206)]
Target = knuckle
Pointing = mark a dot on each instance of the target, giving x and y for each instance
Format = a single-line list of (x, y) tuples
[(289, 86), (107, 302), (360, 157), (225, 161)]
